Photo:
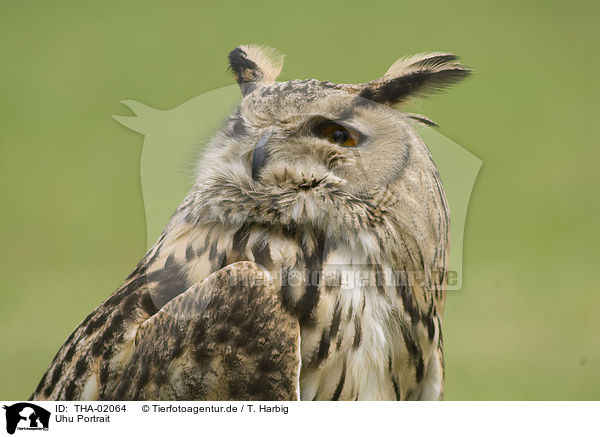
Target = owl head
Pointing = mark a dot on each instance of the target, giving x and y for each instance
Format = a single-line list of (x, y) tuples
[(338, 158)]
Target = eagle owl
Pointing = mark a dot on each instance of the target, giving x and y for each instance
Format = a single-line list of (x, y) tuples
[(308, 260)]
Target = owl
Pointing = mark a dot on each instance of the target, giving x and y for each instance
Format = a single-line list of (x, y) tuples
[(308, 261)]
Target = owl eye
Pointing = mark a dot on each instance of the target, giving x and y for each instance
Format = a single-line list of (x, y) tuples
[(338, 134)]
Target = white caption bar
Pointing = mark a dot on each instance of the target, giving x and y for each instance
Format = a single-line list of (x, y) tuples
[(300, 418)]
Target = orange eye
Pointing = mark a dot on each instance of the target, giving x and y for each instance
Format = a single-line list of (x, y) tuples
[(340, 135)]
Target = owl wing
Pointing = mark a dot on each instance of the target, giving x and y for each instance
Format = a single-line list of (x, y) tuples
[(225, 338)]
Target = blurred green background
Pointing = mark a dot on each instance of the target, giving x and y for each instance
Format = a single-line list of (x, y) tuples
[(525, 325)]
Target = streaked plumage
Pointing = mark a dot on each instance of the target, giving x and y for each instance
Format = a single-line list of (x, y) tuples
[(295, 267)]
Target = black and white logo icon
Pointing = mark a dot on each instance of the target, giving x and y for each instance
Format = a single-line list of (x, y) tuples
[(26, 416)]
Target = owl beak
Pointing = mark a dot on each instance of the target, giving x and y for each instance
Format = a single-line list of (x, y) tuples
[(260, 155)]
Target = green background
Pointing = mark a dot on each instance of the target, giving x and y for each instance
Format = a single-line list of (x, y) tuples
[(526, 323)]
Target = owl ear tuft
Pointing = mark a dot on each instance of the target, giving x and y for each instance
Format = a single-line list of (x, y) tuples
[(415, 76), (254, 64)]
